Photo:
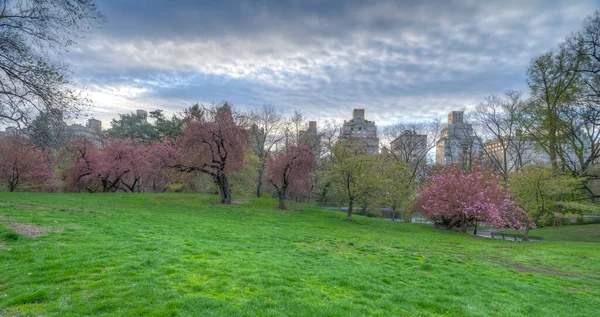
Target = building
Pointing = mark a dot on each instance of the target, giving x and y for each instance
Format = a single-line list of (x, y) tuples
[(409, 146), (511, 153), (312, 137), (94, 125), (457, 142), (361, 131), (143, 114), (58, 132)]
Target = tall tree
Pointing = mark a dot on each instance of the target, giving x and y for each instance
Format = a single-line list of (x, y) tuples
[(351, 173), (30, 32), (396, 183), (499, 120), (268, 129), (134, 126), (555, 85), (213, 143), (290, 171)]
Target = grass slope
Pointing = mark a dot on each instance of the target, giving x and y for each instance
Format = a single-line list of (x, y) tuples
[(183, 254)]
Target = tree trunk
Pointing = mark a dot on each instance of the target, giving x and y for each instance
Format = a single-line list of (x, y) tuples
[(224, 189), (463, 226), (259, 183), (281, 194), (526, 235), (350, 210)]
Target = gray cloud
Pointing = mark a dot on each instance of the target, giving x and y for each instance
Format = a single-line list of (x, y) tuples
[(399, 60)]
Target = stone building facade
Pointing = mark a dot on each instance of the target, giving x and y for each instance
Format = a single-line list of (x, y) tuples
[(457, 142), (361, 131)]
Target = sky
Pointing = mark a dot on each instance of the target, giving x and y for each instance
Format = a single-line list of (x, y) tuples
[(399, 60)]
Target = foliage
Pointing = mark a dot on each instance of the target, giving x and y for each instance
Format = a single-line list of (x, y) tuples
[(291, 171), (243, 182), (214, 143), (541, 192), (138, 127), (454, 198), (352, 174), (23, 164), (397, 188), (122, 164)]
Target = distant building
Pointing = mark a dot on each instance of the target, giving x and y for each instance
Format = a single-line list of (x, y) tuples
[(409, 145), (58, 132), (511, 153), (312, 137), (92, 131), (142, 114), (361, 131), (94, 125), (457, 142)]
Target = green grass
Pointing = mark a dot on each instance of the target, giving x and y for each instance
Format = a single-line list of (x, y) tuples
[(184, 254), (581, 233)]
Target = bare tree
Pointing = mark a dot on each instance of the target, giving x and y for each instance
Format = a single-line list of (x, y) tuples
[(498, 125), (411, 142), (268, 129), (30, 31)]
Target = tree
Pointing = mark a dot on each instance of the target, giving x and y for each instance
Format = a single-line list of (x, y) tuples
[(165, 128), (86, 160), (22, 163), (396, 183), (134, 126), (584, 46), (453, 198), (555, 85), (408, 147), (268, 129), (213, 142), (290, 171), (499, 120), (351, 172), (541, 191), (30, 31), (160, 176)]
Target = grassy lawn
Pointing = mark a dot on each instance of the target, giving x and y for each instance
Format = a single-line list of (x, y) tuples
[(582, 233), (184, 254)]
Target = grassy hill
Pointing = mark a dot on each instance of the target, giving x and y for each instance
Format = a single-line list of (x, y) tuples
[(184, 254)]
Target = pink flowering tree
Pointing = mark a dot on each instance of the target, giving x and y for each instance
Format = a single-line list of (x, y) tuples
[(160, 156), (213, 143), (453, 198), (290, 171), (86, 159), (22, 163)]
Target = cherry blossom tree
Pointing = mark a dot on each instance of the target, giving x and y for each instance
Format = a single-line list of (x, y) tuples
[(159, 156), (86, 160), (453, 198), (290, 171), (22, 163), (213, 143)]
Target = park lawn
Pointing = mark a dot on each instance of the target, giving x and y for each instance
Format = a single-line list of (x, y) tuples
[(581, 233), (184, 254)]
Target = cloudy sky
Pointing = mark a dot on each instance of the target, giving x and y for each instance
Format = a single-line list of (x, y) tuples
[(400, 60)]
